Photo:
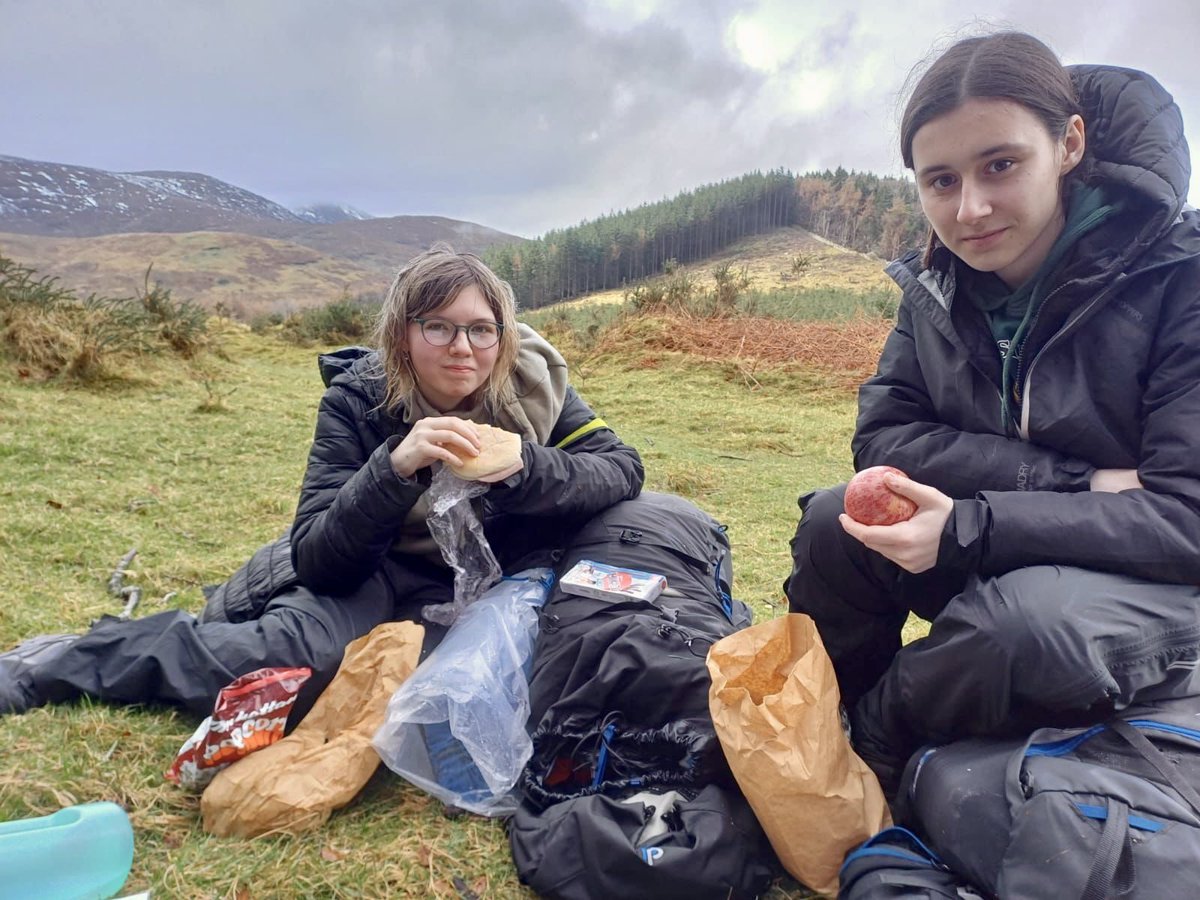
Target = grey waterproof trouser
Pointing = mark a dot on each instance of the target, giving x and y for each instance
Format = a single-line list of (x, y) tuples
[(1041, 645), (178, 659)]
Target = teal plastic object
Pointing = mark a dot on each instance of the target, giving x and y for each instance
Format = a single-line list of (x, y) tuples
[(79, 852)]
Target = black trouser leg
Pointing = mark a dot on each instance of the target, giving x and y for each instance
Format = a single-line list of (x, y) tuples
[(172, 658), (1043, 645), (858, 599)]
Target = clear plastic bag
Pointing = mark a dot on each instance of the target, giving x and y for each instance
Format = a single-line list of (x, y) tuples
[(459, 535), (456, 727)]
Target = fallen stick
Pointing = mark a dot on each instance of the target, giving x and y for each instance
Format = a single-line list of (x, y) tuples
[(116, 583), (134, 595)]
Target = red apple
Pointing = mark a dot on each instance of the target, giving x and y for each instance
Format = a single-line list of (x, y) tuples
[(870, 501)]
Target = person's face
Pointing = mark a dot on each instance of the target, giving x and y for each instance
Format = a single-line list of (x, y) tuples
[(988, 175), (449, 375)]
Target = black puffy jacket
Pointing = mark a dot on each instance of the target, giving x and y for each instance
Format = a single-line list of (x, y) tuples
[(1110, 375), (352, 503)]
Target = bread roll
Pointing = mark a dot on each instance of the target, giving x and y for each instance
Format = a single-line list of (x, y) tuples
[(498, 450)]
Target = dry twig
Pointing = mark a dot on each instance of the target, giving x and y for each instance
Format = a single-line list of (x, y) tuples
[(116, 582)]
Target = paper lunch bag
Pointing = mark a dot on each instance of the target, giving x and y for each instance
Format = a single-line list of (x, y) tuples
[(774, 702), (296, 783)]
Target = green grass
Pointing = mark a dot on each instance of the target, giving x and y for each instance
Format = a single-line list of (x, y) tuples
[(197, 466)]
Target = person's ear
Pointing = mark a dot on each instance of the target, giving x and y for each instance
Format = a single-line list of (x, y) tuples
[(1073, 143)]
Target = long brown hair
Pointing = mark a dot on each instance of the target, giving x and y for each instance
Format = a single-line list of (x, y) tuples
[(426, 284)]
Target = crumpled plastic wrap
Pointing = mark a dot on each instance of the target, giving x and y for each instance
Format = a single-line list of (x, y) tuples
[(459, 534), (456, 727)]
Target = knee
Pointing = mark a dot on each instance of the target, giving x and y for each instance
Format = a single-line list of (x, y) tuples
[(1020, 611), (819, 546), (819, 530)]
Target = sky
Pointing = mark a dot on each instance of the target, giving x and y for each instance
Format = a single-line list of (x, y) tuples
[(522, 115)]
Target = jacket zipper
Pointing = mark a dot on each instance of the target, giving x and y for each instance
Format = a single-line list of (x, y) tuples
[(1121, 277)]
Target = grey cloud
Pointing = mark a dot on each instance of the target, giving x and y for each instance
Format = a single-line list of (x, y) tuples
[(522, 115)]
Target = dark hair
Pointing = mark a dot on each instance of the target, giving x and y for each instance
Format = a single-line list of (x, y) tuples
[(1007, 65)]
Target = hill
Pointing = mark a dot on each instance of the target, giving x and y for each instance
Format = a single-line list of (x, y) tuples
[(249, 276), (49, 198), (98, 231), (769, 260)]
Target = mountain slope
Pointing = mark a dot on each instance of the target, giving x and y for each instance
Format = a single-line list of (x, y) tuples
[(248, 275), (75, 201), (98, 231)]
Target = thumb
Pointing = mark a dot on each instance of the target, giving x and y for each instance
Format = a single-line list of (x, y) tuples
[(920, 494)]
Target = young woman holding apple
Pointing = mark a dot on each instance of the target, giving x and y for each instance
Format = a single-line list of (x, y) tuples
[(450, 354), (1041, 392)]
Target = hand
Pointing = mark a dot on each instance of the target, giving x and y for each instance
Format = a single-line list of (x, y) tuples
[(500, 476), (430, 440), (912, 544), (1113, 481)]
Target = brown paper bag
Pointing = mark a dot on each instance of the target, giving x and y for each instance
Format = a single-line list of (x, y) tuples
[(774, 701), (294, 784)]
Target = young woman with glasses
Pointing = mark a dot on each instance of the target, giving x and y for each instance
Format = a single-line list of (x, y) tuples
[(448, 353)]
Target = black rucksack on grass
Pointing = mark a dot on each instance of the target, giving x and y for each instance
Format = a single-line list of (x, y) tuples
[(896, 865), (1107, 811), (707, 846)]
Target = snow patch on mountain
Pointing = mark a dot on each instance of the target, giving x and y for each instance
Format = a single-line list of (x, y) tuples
[(328, 213), (45, 197)]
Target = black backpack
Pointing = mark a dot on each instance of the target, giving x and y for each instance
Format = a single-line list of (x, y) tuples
[(708, 846), (619, 689), (895, 865), (620, 720), (1106, 811)]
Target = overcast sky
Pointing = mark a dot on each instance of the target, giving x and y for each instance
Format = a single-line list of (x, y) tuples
[(523, 115)]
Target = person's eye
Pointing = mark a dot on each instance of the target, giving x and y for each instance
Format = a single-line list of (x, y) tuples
[(484, 329), (997, 166), (438, 327), (941, 182)]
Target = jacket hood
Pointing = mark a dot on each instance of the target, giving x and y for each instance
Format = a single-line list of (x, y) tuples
[(1135, 138)]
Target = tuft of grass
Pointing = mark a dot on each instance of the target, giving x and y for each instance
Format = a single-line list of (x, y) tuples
[(47, 329), (89, 474), (345, 320)]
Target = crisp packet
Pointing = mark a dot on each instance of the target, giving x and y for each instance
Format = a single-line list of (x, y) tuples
[(250, 713)]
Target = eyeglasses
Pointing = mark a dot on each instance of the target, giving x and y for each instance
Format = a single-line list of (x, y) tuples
[(443, 332)]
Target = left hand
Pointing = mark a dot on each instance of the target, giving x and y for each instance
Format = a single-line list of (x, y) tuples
[(500, 476), (912, 544)]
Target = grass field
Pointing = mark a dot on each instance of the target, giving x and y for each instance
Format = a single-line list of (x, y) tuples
[(197, 466)]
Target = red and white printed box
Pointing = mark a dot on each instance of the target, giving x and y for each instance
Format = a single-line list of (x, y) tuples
[(593, 579)]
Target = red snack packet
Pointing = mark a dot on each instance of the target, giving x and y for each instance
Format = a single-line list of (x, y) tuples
[(250, 713)]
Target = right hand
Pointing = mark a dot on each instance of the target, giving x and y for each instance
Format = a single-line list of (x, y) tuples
[(1113, 481), (911, 544), (428, 442)]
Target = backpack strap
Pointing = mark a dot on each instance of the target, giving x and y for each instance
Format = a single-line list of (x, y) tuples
[(1159, 760), (1114, 842)]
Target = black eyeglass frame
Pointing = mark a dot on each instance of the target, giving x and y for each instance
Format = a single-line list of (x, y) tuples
[(466, 329)]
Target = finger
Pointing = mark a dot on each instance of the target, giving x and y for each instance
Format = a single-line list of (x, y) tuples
[(463, 427), (440, 425), (855, 529), (455, 443), (918, 493)]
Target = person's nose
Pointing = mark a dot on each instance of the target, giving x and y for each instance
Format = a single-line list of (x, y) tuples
[(461, 345), (973, 202)]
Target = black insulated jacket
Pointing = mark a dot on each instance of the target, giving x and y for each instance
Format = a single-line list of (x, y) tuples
[(1110, 377)]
